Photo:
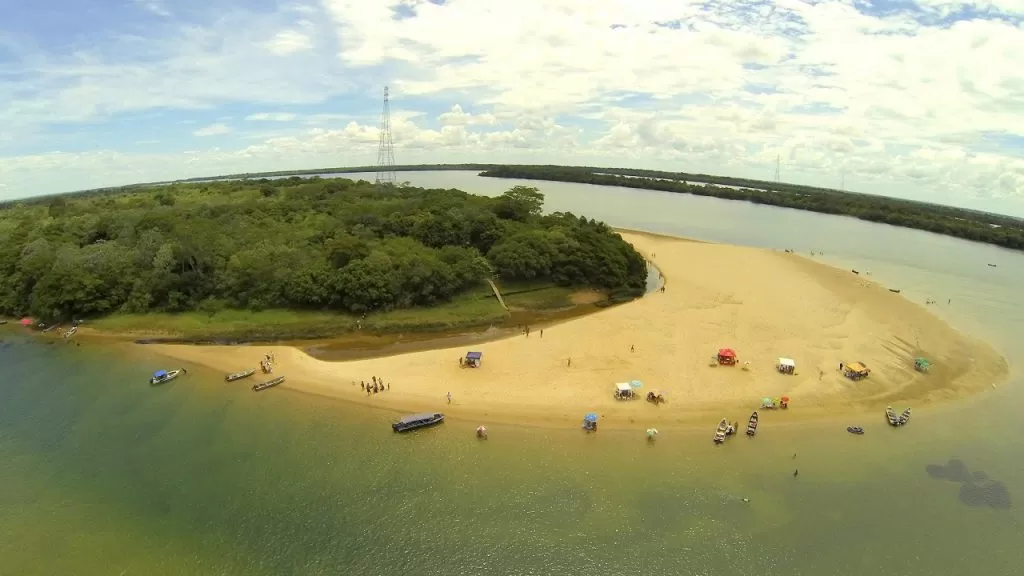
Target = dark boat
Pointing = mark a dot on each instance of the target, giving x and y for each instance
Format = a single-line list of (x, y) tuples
[(752, 424), (239, 375), (162, 376), (416, 421), (904, 418), (894, 290), (890, 415), (992, 265), (855, 430), (720, 432), (854, 271), (268, 384)]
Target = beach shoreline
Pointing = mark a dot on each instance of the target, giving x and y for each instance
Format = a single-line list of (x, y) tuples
[(766, 304)]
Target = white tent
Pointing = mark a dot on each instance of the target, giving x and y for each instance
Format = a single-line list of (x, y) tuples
[(623, 387), (788, 362)]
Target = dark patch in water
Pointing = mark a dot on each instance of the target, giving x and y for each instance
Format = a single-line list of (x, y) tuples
[(977, 488)]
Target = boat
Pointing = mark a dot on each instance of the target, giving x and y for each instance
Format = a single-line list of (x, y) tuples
[(71, 332), (2, 322), (904, 418), (992, 265), (162, 376), (416, 421), (720, 432), (752, 424), (855, 430), (894, 290), (239, 375), (267, 384), (890, 415)]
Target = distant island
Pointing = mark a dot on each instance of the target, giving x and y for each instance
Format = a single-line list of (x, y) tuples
[(974, 225), (295, 258)]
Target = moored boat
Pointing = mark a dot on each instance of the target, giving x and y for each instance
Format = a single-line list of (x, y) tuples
[(904, 418), (752, 424), (163, 376), (890, 415), (720, 432), (855, 430), (239, 375), (267, 384), (416, 421)]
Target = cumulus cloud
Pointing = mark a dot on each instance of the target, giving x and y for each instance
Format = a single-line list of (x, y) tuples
[(918, 99), (212, 130)]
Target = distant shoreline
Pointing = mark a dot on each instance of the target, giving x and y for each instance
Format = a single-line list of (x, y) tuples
[(765, 304)]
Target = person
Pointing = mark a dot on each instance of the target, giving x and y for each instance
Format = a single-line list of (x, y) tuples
[(631, 348), (449, 397), (389, 385)]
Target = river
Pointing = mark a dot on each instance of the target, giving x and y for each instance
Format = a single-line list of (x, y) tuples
[(103, 474)]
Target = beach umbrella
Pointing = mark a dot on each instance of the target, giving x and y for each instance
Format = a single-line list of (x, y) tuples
[(26, 321), (766, 400), (652, 432), (591, 417), (785, 398), (636, 384)]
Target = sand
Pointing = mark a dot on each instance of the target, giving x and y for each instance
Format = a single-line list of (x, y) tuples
[(762, 303)]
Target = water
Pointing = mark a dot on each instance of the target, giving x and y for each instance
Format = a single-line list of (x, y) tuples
[(103, 474)]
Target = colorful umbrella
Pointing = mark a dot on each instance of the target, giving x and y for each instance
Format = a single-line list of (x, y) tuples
[(26, 321)]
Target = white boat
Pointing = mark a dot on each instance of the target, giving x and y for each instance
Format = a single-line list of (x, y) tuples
[(720, 432), (239, 375), (162, 376)]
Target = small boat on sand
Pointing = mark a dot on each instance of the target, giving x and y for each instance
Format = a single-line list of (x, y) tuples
[(416, 421), (752, 425), (904, 418), (268, 384), (890, 415), (163, 376), (723, 426), (239, 375), (855, 430)]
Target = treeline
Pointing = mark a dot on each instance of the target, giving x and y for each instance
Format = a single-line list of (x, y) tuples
[(294, 243), (1005, 231)]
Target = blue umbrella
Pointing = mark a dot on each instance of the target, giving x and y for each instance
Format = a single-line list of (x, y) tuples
[(590, 417), (636, 384)]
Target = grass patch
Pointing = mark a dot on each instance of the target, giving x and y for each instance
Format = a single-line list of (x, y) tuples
[(550, 298)]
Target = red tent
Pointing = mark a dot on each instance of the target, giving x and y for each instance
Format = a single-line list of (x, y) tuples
[(27, 321), (726, 356)]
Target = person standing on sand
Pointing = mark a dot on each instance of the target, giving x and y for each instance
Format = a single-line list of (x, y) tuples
[(568, 362), (449, 397), (541, 332), (631, 348), (389, 385)]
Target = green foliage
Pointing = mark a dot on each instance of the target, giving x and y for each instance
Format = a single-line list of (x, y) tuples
[(995, 229), (317, 245)]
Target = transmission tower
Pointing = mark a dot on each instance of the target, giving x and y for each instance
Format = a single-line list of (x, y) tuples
[(386, 149), (778, 163)]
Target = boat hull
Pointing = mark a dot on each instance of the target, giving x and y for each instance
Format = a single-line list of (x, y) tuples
[(409, 427), (268, 384)]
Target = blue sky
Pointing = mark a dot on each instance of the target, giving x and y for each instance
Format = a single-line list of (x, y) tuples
[(918, 99)]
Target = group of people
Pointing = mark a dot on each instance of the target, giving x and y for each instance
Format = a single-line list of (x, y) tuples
[(267, 364), (375, 386)]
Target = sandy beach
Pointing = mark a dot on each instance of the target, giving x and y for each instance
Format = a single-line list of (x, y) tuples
[(762, 303)]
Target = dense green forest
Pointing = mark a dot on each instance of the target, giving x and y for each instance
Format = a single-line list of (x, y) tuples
[(973, 225), (296, 243)]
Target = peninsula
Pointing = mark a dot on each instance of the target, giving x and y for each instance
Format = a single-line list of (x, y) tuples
[(764, 304)]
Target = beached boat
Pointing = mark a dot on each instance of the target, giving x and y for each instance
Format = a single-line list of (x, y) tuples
[(855, 430), (904, 418), (890, 415), (2, 322), (71, 332), (239, 375), (752, 424), (416, 421), (268, 384), (164, 376), (720, 432)]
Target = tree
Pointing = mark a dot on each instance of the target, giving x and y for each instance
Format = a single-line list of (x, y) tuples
[(520, 203)]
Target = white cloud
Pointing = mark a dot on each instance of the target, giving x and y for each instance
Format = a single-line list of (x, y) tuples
[(212, 130), (271, 117), (154, 6), (901, 102)]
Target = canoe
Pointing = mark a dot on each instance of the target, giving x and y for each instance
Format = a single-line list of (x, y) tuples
[(239, 375), (904, 418), (268, 384), (752, 424), (720, 432), (890, 415), (855, 430)]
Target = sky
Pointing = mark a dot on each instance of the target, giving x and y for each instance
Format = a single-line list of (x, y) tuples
[(922, 99)]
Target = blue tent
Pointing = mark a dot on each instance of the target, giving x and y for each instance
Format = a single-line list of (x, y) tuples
[(159, 373), (590, 417), (474, 355)]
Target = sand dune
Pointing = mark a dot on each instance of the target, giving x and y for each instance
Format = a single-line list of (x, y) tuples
[(762, 303)]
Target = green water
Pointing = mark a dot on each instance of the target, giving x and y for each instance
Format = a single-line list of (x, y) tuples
[(103, 474)]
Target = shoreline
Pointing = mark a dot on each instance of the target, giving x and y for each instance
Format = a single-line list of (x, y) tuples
[(805, 309)]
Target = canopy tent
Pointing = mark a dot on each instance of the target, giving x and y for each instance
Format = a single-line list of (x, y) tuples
[(726, 353), (636, 384), (160, 374), (623, 387), (788, 362), (922, 365), (473, 359), (857, 367)]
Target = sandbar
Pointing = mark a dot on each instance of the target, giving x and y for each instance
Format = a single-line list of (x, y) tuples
[(764, 304)]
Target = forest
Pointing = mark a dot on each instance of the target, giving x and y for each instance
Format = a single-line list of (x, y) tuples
[(294, 243), (1005, 231)]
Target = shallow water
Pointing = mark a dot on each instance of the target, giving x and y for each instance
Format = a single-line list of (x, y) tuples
[(104, 474)]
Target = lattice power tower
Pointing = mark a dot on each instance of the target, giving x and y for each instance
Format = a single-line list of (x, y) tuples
[(386, 148)]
